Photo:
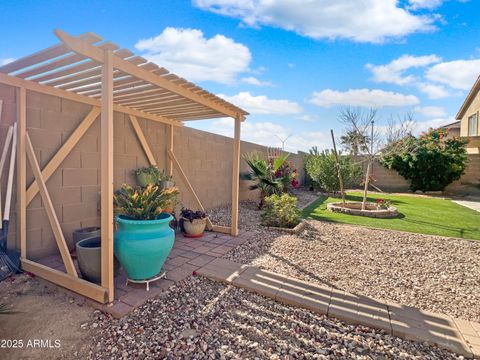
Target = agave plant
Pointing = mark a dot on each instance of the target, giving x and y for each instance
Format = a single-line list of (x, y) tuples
[(5, 309), (143, 203), (268, 176)]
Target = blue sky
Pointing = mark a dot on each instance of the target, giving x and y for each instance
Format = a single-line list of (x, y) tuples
[(292, 64)]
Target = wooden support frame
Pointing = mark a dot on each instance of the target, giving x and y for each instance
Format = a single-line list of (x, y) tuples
[(188, 185), (52, 216), (106, 131), (78, 285), (142, 90), (143, 140), (63, 152), (22, 170), (169, 148), (236, 175)]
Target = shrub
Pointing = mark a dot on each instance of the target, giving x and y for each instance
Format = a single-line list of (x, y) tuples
[(430, 162), (270, 177), (143, 203), (280, 211), (322, 170)]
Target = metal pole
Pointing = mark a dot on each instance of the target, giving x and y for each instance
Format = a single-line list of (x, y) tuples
[(339, 172)]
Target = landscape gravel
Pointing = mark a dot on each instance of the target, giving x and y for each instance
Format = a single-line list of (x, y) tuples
[(202, 319), (433, 273)]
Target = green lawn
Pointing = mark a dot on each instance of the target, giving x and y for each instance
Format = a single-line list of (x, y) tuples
[(417, 214)]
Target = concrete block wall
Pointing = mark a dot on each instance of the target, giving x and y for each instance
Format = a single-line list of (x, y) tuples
[(390, 181), (75, 186)]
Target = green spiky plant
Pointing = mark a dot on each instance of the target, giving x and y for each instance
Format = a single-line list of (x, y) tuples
[(143, 203), (6, 309), (266, 176)]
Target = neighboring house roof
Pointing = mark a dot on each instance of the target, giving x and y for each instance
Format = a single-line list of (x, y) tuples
[(468, 100), (454, 125)]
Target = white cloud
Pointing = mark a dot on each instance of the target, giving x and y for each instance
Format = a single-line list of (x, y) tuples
[(360, 20), (256, 82), (5, 61), (433, 91), (458, 74), (188, 53), (422, 126), (265, 133), (262, 104), (393, 71), (424, 4), (430, 111), (362, 97)]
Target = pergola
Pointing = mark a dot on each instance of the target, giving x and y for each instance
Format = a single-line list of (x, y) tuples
[(86, 70)]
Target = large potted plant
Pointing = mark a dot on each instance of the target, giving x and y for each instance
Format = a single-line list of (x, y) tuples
[(143, 238), (193, 223)]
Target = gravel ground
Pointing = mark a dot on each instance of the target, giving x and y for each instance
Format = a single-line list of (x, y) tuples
[(428, 272), (202, 319)]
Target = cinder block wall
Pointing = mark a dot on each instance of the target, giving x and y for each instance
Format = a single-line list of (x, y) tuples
[(75, 186), (390, 181)]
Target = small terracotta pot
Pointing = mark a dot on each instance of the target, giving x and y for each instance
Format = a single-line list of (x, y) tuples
[(194, 228)]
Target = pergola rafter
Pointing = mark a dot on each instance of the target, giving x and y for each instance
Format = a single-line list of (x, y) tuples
[(109, 78)]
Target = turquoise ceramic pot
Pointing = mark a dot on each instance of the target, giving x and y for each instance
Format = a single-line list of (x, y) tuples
[(142, 246)]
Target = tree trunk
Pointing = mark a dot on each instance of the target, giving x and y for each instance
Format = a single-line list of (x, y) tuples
[(367, 179)]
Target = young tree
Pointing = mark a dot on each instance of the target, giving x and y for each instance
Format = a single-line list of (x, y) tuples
[(362, 123)]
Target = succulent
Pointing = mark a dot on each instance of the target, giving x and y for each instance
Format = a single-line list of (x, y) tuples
[(143, 203)]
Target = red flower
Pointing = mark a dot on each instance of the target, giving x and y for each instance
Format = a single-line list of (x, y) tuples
[(379, 201)]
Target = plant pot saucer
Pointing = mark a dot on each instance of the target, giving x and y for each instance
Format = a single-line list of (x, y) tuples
[(192, 236)]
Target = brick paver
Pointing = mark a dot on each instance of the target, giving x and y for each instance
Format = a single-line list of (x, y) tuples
[(459, 336), (186, 257)]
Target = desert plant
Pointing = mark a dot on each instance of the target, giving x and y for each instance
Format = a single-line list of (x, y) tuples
[(143, 203), (355, 142), (430, 162), (191, 215), (6, 309), (322, 171), (280, 211), (147, 175), (270, 177), (163, 176)]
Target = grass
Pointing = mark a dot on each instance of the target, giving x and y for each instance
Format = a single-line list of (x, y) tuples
[(417, 214)]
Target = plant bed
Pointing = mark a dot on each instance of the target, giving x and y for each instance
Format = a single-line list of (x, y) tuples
[(355, 208), (296, 230)]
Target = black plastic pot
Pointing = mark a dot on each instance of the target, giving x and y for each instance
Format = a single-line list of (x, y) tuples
[(83, 233)]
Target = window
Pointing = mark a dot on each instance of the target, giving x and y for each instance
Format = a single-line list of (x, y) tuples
[(472, 125)]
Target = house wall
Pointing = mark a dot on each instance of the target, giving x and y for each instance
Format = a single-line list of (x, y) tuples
[(74, 187), (474, 144)]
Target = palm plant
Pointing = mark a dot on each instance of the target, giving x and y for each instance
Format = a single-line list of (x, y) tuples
[(355, 142), (268, 177)]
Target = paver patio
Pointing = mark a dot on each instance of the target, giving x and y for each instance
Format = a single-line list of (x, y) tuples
[(460, 336), (187, 256)]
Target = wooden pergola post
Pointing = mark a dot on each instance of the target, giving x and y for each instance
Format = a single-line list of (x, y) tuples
[(235, 175), (22, 170), (169, 149), (106, 139)]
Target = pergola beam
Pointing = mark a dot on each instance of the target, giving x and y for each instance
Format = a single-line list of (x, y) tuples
[(44, 89), (81, 47)]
